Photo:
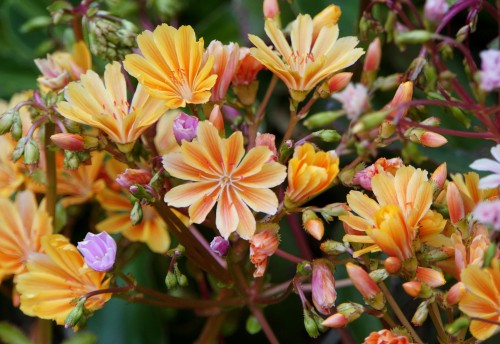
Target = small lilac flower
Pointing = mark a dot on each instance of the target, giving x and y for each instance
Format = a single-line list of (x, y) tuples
[(354, 100), (98, 250), (434, 10), (185, 127), (493, 180), (488, 213), (220, 246), (490, 69)]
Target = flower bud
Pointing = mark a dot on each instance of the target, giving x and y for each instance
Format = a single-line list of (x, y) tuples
[(323, 286), (413, 37), (329, 16), (99, 251), (72, 142), (322, 119), (220, 246), (403, 95), (412, 288), (133, 176), (54, 76), (17, 128), (31, 154), (370, 121), (455, 203), (216, 118), (185, 127), (334, 248), (339, 81), (434, 10), (426, 138), (366, 286), (336, 320), (373, 56), (92, 142), (171, 280), (431, 277), (286, 149), (136, 214), (310, 325), (304, 268), (6, 121), (328, 135), (313, 224), (333, 209), (455, 294), (460, 324), (76, 314), (268, 140), (387, 129), (438, 177), (271, 8), (392, 265), (351, 310), (420, 314), (378, 275)]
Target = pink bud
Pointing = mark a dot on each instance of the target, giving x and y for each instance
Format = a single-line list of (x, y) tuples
[(438, 177), (338, 81), (432, 139), (323, 286), (220, 246), (373, 55), (99, 251), (455, 203), (71, 142), (455, 294), (216, 118), (362, 281), (412, 288), (336, 320), (268, 140), (271, 8), (185, 127), (133, 176)]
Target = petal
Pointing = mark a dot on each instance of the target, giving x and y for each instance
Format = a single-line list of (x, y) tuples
[(475, 306), (190, 193), (363, 205), (227, 216), (483, 330), (175, 164), (272, 174), (489, 182), (383, 188), (480, 283), (260, 200), (253, 162), (233, 151), (486, 165), (200, 209), (495, 151), (115, 224)]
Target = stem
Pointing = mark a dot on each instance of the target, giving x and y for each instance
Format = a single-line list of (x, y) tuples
[(211, 329), (483, 135), (267, 97), (438, 323), (268, 331), (399, 314), (288, 256), (300, 237)]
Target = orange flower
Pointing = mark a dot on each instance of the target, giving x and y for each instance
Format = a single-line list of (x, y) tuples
[(22, 225), (219, 173), (172, 67), (305, 63), (11, 176), (482, 301), (309, 173), (386, 337), (401, 211), (56, 279), (152, 230), (104, 105), (226, 62)]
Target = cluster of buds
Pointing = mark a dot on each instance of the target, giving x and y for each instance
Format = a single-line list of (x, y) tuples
[(175, 277)]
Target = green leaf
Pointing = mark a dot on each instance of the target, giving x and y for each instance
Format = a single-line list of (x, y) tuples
[(35, 23), (9, 334), (59, 5)]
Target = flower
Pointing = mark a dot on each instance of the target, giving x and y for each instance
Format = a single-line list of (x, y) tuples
[(104, 105), (23, 223), (305, 64), (354, 100), (482, 300), (364, 177), (434, 10), (269, 141), (152, 230), (490, 70), (262, 245), (488, 212), (172, 66), (400, 215), (72, 142), (11, 176), (220, 174), (493, 180), (248, 67), (133, 176), (185, 127), (386, 337), (323, 286), (56, 279), (226, 59), (99, 251), (309, 173)]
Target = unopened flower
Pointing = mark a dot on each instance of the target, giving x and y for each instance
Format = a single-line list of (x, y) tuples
[(185, 127), (226, 59), (262, 245), (68, 141), (23, 223), (330, 15), (455, 203), (336, 320), (220, 246), (220, 172), (54, 76), (354, 100), (366, 286), (270, 8), (482, 300), (133, 176), (488, 212), (269, 141), (364, 177), (323, 286), (434, 10), (490, 70), (429, 276), (313, 224), (172, 67), (403, 95), (346, 312), (216, 118), (426, 138), (55, 279), (493, 180), (309, 173), (439, 175), (386, 337), (98, 250), (373, 56), (455, 294), (304, 64), (339, 81), (104, 105)]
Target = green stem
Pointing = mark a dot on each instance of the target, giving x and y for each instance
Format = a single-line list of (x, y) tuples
[(399, 314)]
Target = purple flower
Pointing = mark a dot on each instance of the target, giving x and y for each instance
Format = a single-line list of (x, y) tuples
[(220, 246), (493, 180), (488, 213), (435, 10), (185, 127), (490, 69), (98, 250)]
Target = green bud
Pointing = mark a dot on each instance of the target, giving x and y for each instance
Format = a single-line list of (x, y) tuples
[(252, 325), (414, 37), (461, 116), (433, 255), (71, 161), (462, 34), (370, 121), (286, 150), (310, 325), (351, 310), (6, 121), (432, 121), (16, 129), (322, 119), (420, 314), (489, 254), (182, 280), (333, 210), (304, 268), (176, 252), (328, 135), (90, 142), (460, 324), (139, 192), (31, 154), (76, 314), (379, 275), (136, 214), (387, 83), (171, 280), (390, 25), (332, 247)]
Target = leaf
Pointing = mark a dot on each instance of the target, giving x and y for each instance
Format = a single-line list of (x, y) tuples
[(35, 23), (9, 334), (59, 5)]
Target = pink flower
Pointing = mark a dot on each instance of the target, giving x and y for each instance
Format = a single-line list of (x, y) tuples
[(435, 10), (490, 69), (354, 99), (493, 180), (98, 250), (364, 177), (226, 62), (185, 127), (488, 213)]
